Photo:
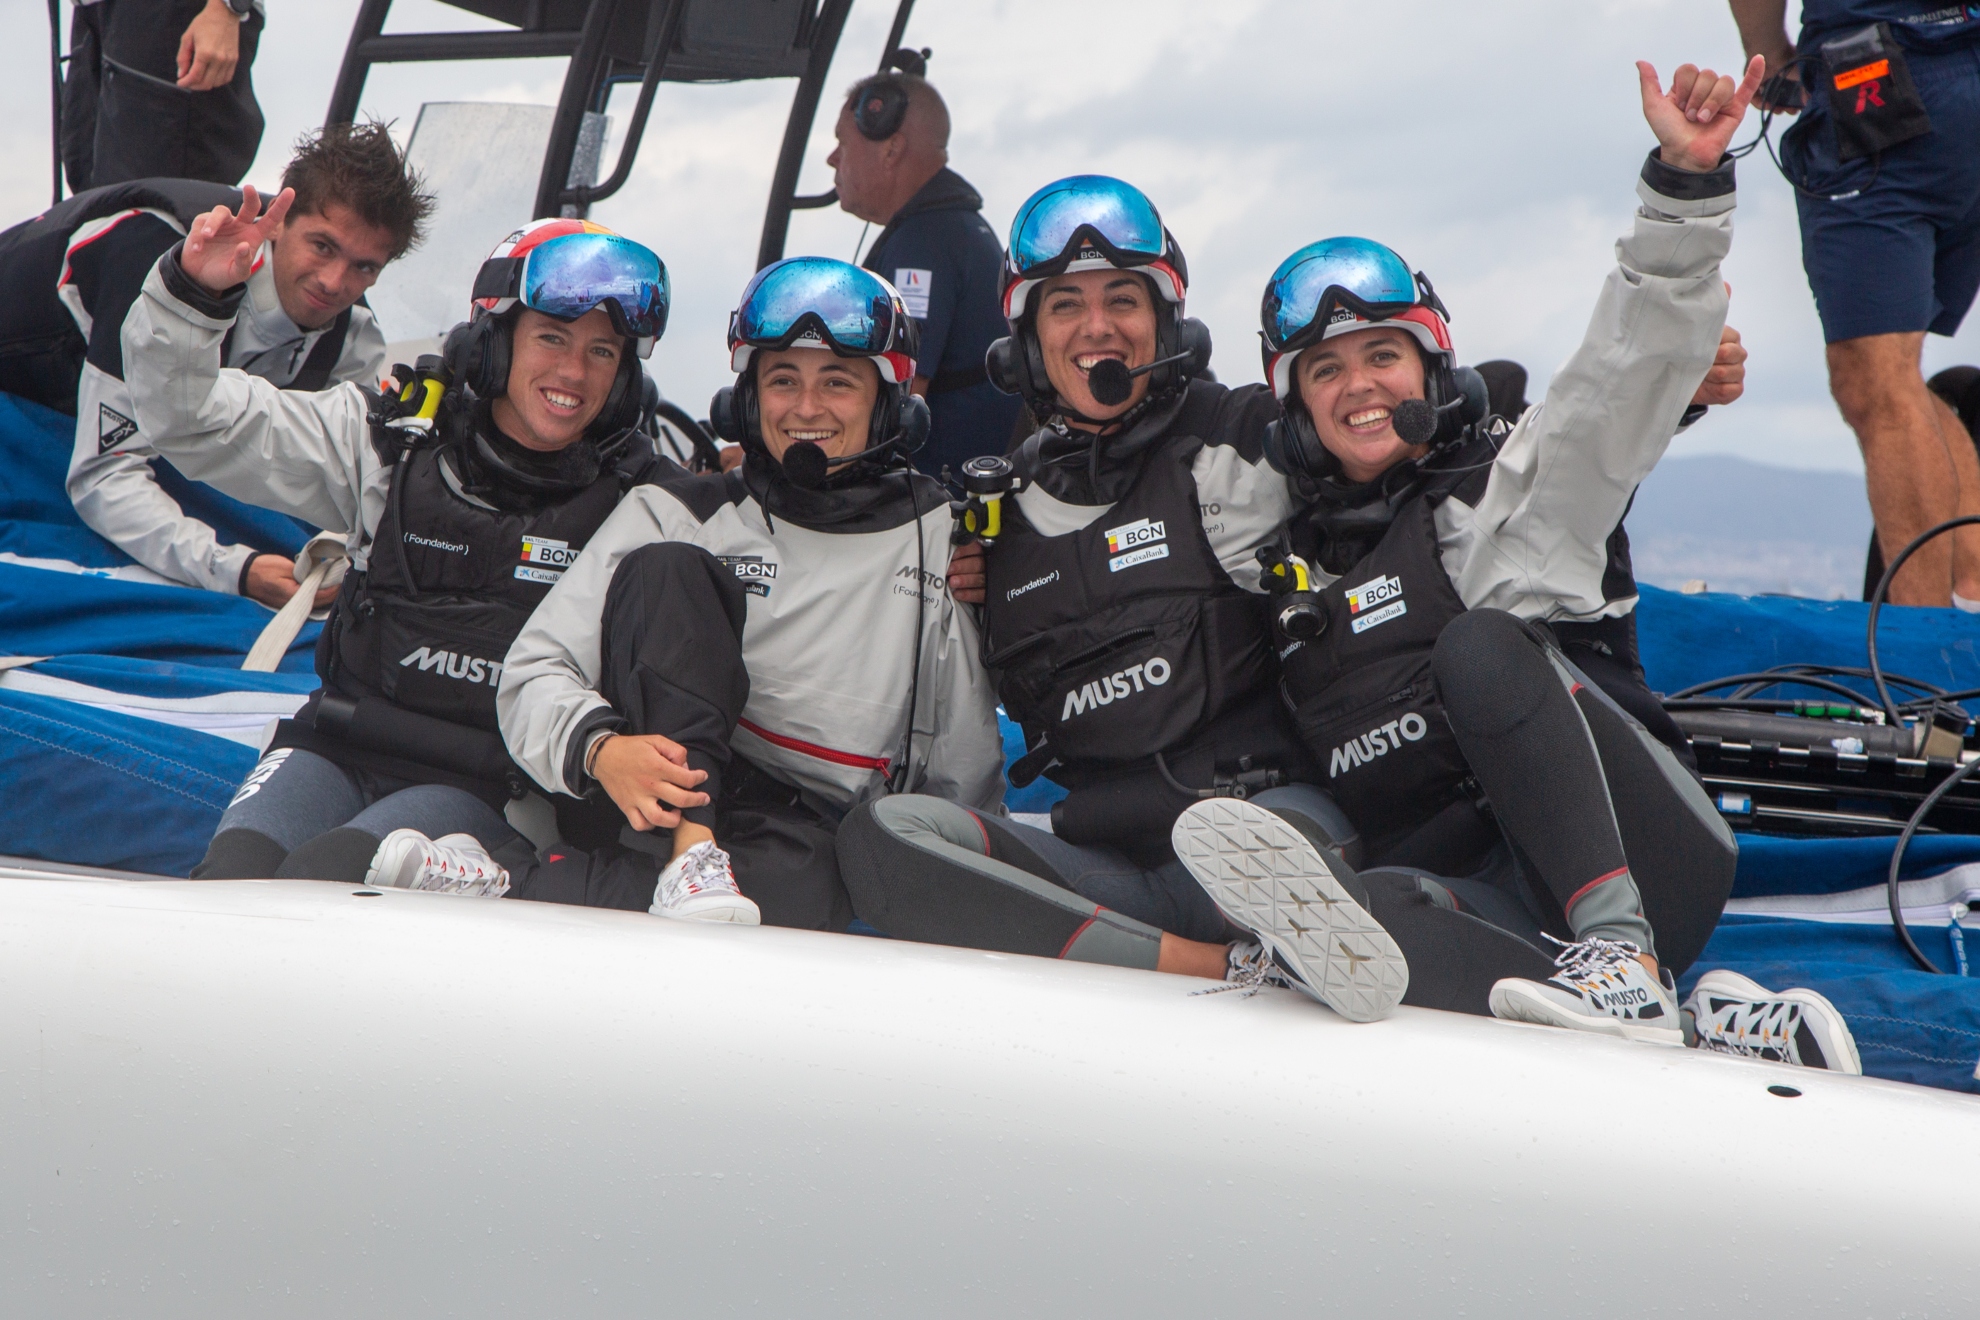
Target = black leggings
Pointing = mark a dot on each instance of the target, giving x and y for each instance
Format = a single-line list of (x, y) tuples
[(924, 869), (1611, 834)]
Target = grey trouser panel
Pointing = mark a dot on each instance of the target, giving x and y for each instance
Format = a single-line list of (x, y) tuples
[(920, 868)]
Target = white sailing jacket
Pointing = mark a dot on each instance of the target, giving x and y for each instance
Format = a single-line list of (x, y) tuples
[(829, 644)]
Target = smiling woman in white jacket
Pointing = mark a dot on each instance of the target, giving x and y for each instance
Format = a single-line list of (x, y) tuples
[(738, 660)]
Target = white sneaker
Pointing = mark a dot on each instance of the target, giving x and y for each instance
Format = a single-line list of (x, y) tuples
[(700, 886), (1270, 879), (1733, 1015), (1601, 987), (1249, 970), (450, 864)]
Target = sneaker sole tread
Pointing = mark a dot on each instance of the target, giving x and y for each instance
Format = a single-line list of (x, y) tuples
[(1269, 878)]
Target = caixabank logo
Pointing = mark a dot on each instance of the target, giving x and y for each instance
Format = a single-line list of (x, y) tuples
[(1138, 542), (754, 572)]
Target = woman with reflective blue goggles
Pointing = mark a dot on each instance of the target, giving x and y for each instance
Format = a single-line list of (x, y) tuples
[(1086, 222), (567, 267), (803, 396), (1339, 285)]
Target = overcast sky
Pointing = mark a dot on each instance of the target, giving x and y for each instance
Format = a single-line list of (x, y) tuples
[(1495, 146)]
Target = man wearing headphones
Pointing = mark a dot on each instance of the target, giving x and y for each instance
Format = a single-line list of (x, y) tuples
[(738, 660), (891, 169), (465, 494)]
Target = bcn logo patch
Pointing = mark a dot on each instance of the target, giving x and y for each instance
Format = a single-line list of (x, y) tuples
[(542, 551), (754, 572), (1130, 536)]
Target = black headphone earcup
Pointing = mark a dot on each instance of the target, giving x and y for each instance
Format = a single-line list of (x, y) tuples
[(1000, 365), (1193, 338), (879, 112), (1275, 448), (722, 415), (1476, 394), (622, 404), (911, 421)]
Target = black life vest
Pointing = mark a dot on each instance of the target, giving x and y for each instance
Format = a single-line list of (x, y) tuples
[(1126, 640), (412, 653), (41, 350), (1361, 692)]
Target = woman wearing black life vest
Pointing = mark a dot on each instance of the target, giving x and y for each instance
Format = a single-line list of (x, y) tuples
[(1420, 582), (464, 498), (924, 870)]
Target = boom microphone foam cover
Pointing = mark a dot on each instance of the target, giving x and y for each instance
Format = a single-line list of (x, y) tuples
[(805, 466), (1413, 421), (1108, 380)]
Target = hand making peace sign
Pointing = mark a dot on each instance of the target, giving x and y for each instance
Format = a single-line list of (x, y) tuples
[(220, 247)]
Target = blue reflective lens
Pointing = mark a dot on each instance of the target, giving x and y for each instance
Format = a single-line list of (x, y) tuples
[(568, 276), (855, 307), (1369, 271), (1117, 211)]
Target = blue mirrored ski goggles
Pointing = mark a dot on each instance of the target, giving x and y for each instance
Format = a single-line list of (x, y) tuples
[(1113, 216), (572, 274), (1356, 275), (853, 310)]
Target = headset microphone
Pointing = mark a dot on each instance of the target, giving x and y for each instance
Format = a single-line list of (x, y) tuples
[(1413, 421), (1108, 380)]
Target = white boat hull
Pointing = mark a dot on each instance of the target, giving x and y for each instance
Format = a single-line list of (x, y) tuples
[(284, 1098)]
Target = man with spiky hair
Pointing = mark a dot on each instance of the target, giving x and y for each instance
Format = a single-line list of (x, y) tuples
[(70, 276)]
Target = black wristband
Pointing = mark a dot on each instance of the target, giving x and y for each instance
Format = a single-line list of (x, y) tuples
[(1685, 185), (195, 295), (240, 588)]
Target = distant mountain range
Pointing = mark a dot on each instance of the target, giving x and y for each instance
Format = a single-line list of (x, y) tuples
[(1751, 528)]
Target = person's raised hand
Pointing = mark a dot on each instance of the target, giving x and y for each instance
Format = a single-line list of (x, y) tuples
[(210, 48), (969, 582), (1695, 120), (1726, 381), (730, 457), (647, 777), (219, 249)]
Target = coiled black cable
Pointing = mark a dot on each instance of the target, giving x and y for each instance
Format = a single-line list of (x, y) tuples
[(1952, 780)]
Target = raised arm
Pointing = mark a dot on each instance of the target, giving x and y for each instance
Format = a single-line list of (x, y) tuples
[(1535, 542)]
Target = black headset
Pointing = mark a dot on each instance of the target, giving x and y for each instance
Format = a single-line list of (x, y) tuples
[(477, 354), (1015, 364), (1460, 398), (880, 102), (899, 424)]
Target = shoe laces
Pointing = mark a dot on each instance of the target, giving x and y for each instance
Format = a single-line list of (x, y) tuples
[(1595, 960), (702, 869), (1760, 1029), (454, 870), (1250, 970)]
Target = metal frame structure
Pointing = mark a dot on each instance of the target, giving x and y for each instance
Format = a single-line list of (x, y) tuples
[(609, 42)]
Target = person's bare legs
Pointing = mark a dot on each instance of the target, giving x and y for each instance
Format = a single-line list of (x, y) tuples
[(1919, 464), (1193, 958)]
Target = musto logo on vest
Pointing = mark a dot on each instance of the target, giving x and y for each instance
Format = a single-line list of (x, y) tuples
[(1378, 741), (456, 664), (1137, 542), (1109, 688), (1376, 602), (544, 560)]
